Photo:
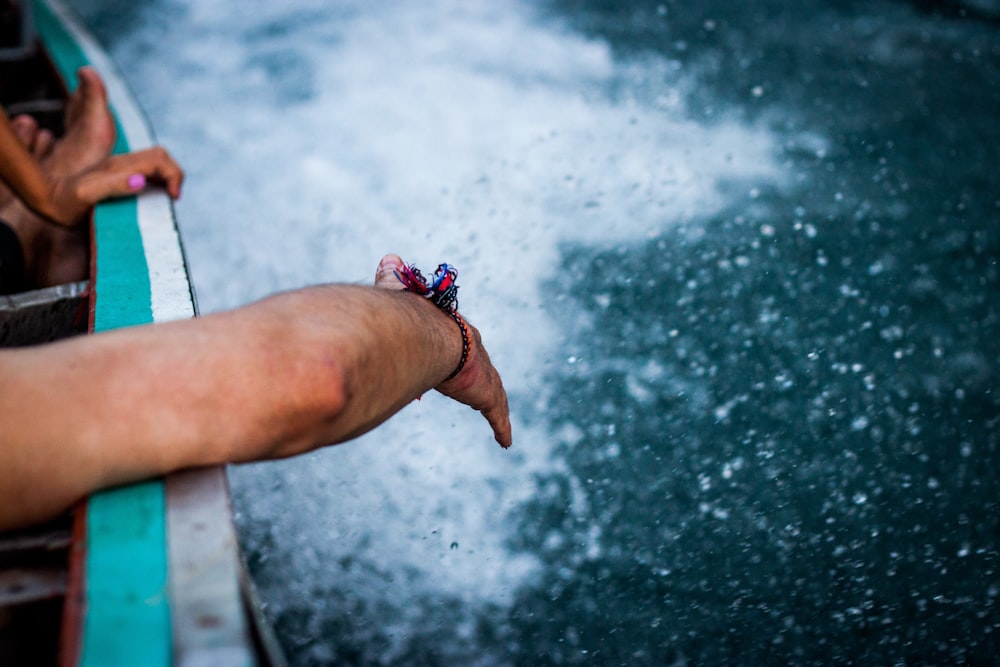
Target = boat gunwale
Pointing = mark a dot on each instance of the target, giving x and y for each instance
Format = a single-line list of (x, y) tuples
[(193, 507)]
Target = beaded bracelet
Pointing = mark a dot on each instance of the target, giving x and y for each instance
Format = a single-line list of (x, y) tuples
[(442, 291), (466, 343)]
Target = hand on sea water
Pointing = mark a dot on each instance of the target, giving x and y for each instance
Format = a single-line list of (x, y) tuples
[(478, 385)]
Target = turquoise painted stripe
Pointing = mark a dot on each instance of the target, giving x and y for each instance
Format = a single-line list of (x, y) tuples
[(123, 290), (127, 618), (127, 615)]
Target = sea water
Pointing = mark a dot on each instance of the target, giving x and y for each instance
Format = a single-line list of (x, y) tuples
[(737, 263)]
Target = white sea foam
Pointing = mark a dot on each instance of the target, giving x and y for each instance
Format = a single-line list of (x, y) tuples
[(475, 133)]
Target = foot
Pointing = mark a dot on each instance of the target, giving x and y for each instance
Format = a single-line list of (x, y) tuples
[(57, 254), (90, 128)]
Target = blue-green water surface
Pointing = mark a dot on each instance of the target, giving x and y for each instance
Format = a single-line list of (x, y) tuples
[(738, 263)]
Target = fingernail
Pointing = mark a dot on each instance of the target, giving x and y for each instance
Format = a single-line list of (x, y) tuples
[(137, 181)]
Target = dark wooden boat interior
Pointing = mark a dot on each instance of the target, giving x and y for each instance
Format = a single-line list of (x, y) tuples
[(34, 562)]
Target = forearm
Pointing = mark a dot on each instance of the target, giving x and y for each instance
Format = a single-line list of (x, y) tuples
[(280, 377), (364, 352)]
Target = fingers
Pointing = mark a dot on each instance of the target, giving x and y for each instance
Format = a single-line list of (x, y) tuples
[(498, 417), (157, 166), (493, 402), (479, 386), (385, 275), (497, 410), (128, 174)]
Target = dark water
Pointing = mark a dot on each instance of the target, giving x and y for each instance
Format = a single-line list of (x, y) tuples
[(775, 425), (806, 468)]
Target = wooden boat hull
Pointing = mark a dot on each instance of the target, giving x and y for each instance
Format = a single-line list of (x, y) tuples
[(154, 576)]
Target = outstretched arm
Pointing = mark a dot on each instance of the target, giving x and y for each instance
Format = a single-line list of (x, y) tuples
[(277, 378)]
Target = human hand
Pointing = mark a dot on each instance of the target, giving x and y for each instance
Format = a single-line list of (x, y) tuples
[(478, 385), (112, 177)]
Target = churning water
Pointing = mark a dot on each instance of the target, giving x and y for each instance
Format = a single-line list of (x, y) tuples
[(737, 263)]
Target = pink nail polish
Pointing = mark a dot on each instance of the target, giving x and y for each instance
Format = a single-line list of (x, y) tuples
[(137, 181)]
